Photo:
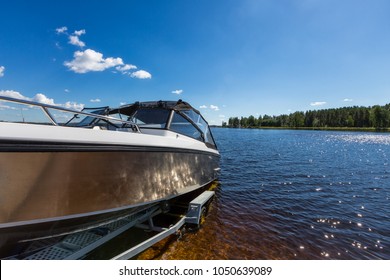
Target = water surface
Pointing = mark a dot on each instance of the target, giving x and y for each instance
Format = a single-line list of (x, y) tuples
[(292, 194)]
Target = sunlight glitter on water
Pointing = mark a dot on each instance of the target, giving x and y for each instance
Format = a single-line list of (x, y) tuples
[(296, 195), (363, 138)]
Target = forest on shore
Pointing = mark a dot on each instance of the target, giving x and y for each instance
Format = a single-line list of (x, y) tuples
[(377, 117)]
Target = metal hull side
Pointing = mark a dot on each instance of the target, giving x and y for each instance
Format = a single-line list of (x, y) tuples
[(46, 193)]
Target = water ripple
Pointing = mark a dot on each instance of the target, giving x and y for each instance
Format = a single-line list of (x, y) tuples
[(288, 194)]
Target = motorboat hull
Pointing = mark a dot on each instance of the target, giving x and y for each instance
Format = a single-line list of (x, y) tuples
[(63, 171), (49, 189)]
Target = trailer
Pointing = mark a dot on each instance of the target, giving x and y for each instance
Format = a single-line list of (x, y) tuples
[(141, 229)]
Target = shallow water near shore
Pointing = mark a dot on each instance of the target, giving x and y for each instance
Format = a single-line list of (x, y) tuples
[(294, 194)]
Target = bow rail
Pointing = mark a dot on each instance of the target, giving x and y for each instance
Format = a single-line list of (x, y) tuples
[(55, 120)]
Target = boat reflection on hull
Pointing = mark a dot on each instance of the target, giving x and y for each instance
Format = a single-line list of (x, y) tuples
[(102, 187)]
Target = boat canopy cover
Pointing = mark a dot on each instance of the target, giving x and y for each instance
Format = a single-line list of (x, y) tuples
[(179, 105)]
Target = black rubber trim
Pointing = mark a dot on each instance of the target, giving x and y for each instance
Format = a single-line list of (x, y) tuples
[(32, 146)]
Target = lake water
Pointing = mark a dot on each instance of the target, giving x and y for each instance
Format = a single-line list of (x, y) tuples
[(294, 194)]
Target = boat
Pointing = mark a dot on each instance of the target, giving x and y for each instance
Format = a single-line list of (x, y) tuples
[(64, 170)]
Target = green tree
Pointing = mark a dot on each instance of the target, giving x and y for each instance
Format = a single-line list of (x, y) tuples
[(252, 121), (297, 119), (376, 116), (244, 122), (235, 122), (380, 117)]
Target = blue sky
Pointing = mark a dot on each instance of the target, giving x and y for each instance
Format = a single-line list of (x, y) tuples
[(227, 58)]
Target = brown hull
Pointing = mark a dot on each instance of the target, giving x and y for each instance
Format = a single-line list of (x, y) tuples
[(49, 192)]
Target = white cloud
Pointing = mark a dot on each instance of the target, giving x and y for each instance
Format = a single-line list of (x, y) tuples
[(95, 100), (60, 30), (73, 105), (222, 116), (141, 74), (12, 94), (41, 98), (75, 40), (90, 60), (347, 100), (125, 68), (79, 32), (2, 69), (67, 90), (214, 107), (318, 103), (178, 91)]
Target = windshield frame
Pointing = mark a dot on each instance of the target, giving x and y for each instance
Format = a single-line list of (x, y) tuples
[(129, 111)]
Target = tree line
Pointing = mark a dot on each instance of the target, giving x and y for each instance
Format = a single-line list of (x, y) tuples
[(352, 117)]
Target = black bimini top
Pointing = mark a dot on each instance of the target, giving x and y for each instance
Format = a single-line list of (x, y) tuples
[(129, 109)]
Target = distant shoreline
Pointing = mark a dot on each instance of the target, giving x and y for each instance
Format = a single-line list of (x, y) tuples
[(358, 129)]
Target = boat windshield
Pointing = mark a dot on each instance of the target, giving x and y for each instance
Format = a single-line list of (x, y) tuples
[(150, 117), (178, 117), (181, 125), (86, 120), (201, 124)]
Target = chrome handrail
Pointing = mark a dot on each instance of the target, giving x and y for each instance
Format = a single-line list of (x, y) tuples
[(45, 108)]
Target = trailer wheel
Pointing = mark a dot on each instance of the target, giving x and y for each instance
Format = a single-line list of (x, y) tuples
[(203, 214)]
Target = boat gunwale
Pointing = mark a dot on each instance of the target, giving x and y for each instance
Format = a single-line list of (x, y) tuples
[(7, 146)]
